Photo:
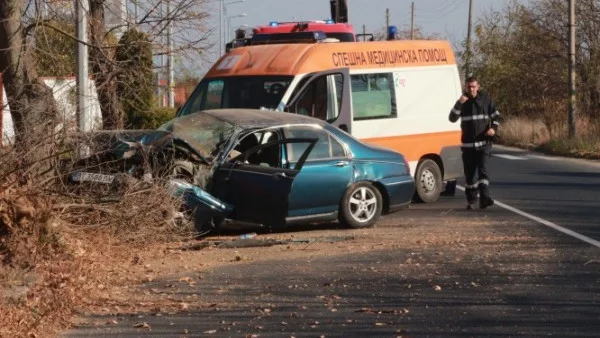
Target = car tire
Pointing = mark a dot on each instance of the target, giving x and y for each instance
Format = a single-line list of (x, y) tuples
[(428, 182), (361, 205), (183, 170)]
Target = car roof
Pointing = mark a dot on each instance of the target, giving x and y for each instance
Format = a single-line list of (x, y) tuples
[(256, 118)]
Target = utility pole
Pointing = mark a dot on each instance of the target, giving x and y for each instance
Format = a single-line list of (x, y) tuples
[(572, 89), (170, 75), (387, 18), (412, 21), (220, 28), (82, 65), (83, 106), (468, 51)]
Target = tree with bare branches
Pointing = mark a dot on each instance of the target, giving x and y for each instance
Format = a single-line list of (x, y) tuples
[(521, 54), (186, 20), (31, 101), (32, 105)]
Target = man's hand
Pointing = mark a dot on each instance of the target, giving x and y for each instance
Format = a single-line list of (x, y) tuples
[(490, 132), (463, 99)]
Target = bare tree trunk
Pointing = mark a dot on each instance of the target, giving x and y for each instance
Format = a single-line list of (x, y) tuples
[(104, 69), (32, 104)]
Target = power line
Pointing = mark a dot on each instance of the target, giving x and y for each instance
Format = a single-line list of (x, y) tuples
[(439, 13), (448, 7)]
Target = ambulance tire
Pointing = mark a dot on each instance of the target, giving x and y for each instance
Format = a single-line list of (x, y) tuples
[(428, 182)]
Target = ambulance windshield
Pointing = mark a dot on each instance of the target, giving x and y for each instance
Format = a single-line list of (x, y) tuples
[(237, 92)]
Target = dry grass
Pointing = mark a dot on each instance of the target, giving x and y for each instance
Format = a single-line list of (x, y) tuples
[(60, 246), (524, 133), (552, 137)]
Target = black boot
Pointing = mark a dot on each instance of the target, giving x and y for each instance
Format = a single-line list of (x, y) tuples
[(485, 202)]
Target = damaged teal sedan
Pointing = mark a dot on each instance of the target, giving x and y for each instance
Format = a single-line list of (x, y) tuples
[(271, 169)]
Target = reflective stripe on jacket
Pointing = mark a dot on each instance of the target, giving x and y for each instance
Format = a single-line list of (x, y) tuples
[(477, 115)]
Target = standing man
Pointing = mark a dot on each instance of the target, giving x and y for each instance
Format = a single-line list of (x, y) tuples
[(479, 123)]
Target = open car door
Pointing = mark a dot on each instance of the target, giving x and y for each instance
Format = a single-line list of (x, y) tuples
[(326, 96), (259, 192)]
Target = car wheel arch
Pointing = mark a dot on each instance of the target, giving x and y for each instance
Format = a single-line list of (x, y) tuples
[(359, 174), (434, 157), (384, 195)]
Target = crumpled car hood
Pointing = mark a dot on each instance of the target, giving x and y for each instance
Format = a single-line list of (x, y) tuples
[(125, 144)]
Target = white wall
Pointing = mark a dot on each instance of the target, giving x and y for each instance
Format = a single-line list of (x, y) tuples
[(8, 134), (65, 96)]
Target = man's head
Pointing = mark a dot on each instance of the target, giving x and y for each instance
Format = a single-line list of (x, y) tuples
[(472, 86)]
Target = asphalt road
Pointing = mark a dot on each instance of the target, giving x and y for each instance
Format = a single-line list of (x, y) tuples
[(561, 191), (499, 274)]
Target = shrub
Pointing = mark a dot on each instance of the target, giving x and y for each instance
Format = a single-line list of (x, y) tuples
[(154, 117), (136, 79), (54, 54)]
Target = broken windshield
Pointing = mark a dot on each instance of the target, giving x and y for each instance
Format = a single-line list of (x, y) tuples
[(206, 134), (237, 92)]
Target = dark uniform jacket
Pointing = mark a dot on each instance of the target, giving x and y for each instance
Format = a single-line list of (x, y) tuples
[(476, 115)]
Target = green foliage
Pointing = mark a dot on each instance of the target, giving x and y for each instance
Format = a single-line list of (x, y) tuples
[(154, 117), (55, 52), (136, 79)]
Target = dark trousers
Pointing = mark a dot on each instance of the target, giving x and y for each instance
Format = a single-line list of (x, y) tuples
[(476, 173)]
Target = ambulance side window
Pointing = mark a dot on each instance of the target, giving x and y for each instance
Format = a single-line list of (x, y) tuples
[(321, 99), (373, 96)]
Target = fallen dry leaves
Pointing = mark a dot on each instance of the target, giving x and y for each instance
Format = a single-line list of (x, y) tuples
[(55, 263)]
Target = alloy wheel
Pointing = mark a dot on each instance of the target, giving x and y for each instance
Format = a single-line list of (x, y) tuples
[(363, 204)]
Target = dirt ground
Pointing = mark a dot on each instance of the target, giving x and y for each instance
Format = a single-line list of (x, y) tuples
[(447, 232), (430, 237)]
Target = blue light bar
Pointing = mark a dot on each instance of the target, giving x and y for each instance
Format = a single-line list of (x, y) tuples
[(329, 21), (273, 23)]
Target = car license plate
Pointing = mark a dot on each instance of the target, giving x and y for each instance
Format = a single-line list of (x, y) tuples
[(81, 176)]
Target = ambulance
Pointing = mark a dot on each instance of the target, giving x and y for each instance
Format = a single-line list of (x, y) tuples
[(395, 94)]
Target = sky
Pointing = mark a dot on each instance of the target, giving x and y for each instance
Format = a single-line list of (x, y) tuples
[(447, 19)]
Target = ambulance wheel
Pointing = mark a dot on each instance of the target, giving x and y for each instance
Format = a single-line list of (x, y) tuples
[(428, 181)]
